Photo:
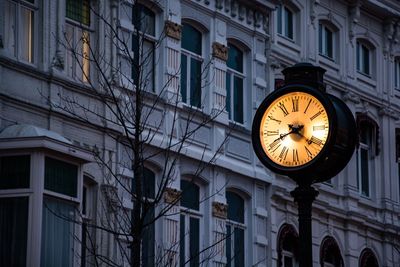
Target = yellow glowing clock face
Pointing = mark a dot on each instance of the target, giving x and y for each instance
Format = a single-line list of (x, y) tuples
[(294, 129)]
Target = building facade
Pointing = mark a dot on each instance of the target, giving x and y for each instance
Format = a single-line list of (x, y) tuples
[(204, 67)]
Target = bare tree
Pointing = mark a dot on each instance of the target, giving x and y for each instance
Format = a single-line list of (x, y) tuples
[(148, 120)]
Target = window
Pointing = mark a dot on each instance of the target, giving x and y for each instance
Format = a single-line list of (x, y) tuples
[(397, 73), (368, 259), (88, 210), (191, 61), (190, 225), (143, 46), (330, 253), (397, 133), (366, 152), (58, 220), (363, 59), (285, 21), (235, 229), (19, 29), (14, 174), (288, 242), (325, 41), (77, 39), (234, 84)]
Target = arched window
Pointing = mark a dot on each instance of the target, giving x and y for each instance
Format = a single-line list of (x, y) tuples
[(191, 61), (368, 131), (190, 224), (330, 253), (368, 259), (234, 84), (288, 242), (143, 43), (235, 229)]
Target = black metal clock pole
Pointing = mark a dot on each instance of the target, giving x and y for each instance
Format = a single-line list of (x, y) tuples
[(304, 195)]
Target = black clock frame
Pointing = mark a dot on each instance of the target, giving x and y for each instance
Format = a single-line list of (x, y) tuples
[(339, 145)]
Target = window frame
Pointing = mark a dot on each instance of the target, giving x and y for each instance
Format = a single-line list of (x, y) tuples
[(187, 214), (189, 56), (15, 52), (361, 67), (78, 69), (142, 38), (323, 30), (284, 28), (240, 225), (396, 75), (241, 75)]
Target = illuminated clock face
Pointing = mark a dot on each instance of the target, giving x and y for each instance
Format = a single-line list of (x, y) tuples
[(294, 129)]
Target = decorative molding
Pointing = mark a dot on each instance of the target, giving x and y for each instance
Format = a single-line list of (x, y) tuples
[(220, 51), (173, 30), (350, 96), (58, 60), (171, 195), (219, 210)]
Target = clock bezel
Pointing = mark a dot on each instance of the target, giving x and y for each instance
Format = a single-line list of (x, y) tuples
[(308, 168)]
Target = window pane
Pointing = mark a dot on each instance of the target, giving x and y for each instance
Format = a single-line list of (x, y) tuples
[(320, 49), (144, 19), (85, 56), (26, 35), (13, 231), (148, 250), (9, 27), (235, 58), (57, 233), (238, 99), (239, 246), (148, 65), (194, 240), (228, 94), (358, 54), (60, 177), (365, 60), (289, 23), (229, 237), (190, 195), (191, 39), (329, 43), (235, 207), (148, 184), (396, 73), (79, 10), (364, 172), (182, 240), (280, 19), (14, 172), (195, 83), (184, 78)]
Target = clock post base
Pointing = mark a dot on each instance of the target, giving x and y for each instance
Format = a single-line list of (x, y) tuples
[(304, 195)]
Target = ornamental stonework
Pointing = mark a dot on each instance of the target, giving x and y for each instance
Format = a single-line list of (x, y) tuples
[(220, 210), (220, 51), (173, 30), (171, 195)]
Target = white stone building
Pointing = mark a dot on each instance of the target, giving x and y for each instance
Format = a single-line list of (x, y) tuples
[(49, 178)]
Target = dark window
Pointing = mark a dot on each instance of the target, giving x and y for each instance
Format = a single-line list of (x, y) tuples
[(325, 41), (79, 10), (330, 253), (14, 172), (235, 230), (285, 22), (191, 39), (190, 195), (234, 84), (13, 231), (363, 58), (61, 177)]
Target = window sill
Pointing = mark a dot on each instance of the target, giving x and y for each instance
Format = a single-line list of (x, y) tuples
[(239, 128), (289, 44), (328, 62), (366, 80)]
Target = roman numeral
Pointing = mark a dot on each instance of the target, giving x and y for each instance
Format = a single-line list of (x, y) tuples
[(275, 144), (283, 153), (318, 127), (295, 155), (273, 119), (315, 140), (309, 154), (309, 102), (295, 104), (283, 108), (316, 115), (272, 133)]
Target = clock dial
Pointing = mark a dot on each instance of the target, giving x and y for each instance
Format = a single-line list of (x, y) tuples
[(294, 129)]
